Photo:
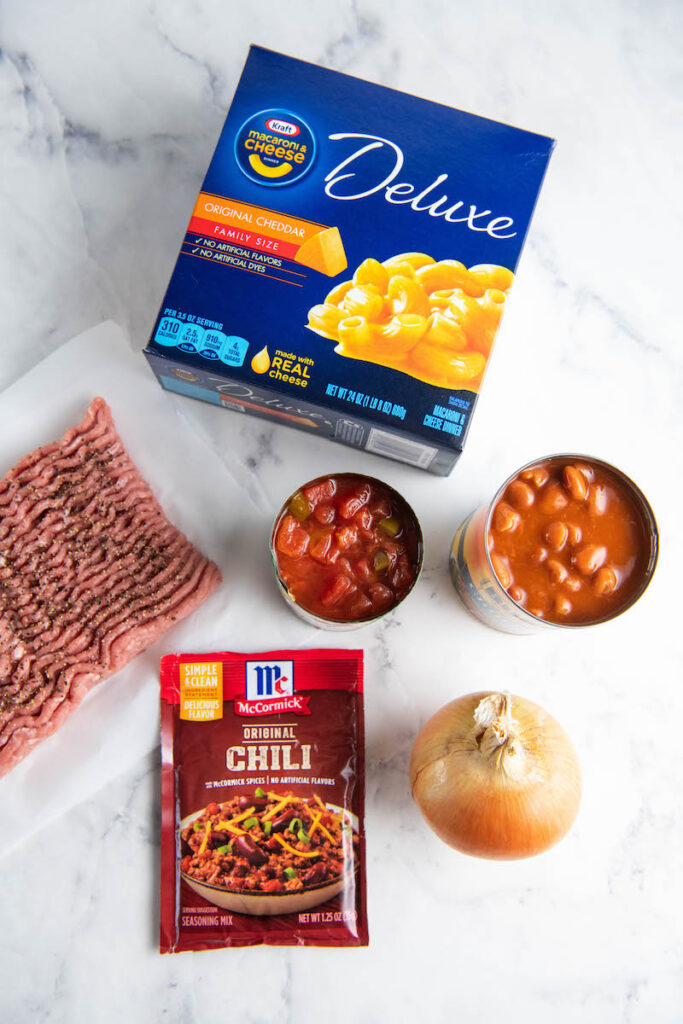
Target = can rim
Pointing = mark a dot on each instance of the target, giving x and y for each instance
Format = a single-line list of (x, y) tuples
[(318, 620), (648, 516)]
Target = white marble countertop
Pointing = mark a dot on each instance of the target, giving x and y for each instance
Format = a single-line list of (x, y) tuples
[(108, 119)]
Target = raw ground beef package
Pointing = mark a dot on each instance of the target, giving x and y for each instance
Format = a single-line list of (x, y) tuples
[(91, 573), (262, 790)]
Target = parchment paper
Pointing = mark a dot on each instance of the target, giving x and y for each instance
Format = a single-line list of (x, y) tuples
[(117, 724)]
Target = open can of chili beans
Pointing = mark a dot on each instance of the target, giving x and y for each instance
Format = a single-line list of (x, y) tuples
[(567, 540), (347, 549)]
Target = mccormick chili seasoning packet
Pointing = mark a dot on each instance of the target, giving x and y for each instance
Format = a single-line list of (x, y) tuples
[(262, 800)]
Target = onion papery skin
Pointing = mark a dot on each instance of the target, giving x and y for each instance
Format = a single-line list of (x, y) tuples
[(505, 803)]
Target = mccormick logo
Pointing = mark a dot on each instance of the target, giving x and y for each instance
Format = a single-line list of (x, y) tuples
[(282, 127), (270, 690)]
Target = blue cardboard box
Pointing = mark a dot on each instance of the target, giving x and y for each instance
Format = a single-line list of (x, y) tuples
[(348, 261)]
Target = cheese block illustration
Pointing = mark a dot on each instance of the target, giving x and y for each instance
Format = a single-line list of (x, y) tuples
[(323, 252)]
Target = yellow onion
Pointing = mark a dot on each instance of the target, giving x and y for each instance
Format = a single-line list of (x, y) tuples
[(496, 776)]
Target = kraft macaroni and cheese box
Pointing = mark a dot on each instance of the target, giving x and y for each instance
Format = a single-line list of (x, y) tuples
[(348, 261)]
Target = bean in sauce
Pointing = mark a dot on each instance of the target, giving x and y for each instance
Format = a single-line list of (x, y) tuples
[(568, 542)]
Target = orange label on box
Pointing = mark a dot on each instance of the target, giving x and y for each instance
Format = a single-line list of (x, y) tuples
[(279, 234), (255, 220), (201, 691)]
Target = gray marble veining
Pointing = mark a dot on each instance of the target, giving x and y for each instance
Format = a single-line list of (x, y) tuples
[(108, 117)]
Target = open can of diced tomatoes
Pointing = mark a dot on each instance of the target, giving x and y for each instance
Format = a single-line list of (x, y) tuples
[(347, 549), (568, 540)]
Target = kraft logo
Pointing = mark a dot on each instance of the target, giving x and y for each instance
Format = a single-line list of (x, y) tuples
[(274, 124), (269, 680)]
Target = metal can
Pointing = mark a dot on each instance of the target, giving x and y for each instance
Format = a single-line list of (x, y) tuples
[(475, 579), (411, 522)]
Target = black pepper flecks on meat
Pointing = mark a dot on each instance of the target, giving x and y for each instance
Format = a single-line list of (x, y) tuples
[(38, 590)]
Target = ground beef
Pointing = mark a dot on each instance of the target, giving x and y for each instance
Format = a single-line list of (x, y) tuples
[(91, 573)]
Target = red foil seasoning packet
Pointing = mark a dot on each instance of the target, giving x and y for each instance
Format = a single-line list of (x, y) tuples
[(262, 800)]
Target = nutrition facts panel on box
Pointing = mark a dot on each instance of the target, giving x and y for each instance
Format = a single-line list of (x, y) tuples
[(184, 332)]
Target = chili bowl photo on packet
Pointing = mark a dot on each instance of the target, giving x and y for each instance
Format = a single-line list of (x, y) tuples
[(262, 838)]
